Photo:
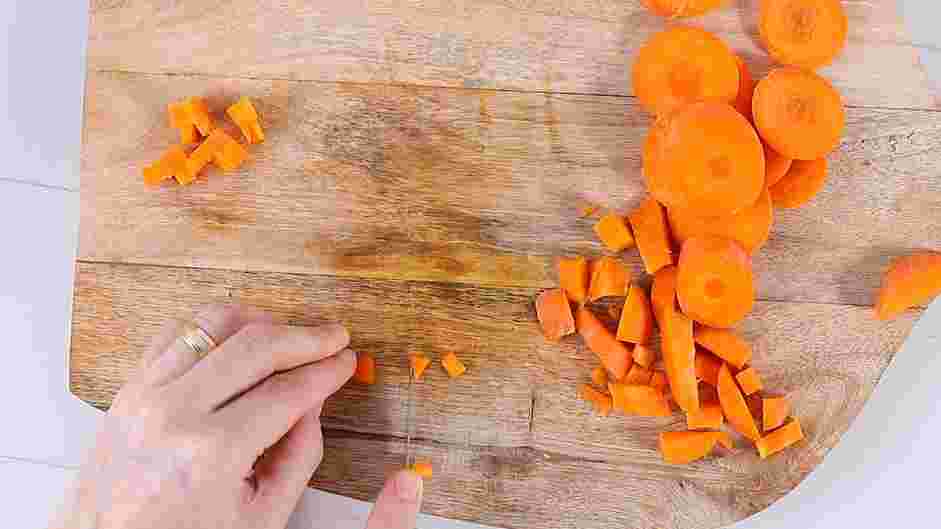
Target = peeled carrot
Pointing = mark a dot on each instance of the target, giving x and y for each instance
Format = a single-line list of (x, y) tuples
[(614, 355), (652, 235), (180, 119), (637, 376), (423, 469), (682, 8), (365, 369), (780, 439), (644, 355), (798, 113), (707, 368), (663, 293), (680, 448), (910, 281), (682, 65), (734, 407), (573, 277), (705, 158), (599, 377), (636, 325), (749, 381), (776, 166), (600, 401), (709, 417), (453, 365), (804, 33), (774, 411), (714, 282), (746, 89), (750, 226), (639, 400), (244, 115), (658, 381), (679, 353), (554, 314), (609, 278), (418, 363), (171, 165), (801, 183), (614, 233), (725, 344)]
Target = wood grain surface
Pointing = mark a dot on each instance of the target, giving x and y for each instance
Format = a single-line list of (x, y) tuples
[(424, 167)]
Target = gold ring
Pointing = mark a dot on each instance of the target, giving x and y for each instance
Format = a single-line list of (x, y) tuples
[(197, 339)]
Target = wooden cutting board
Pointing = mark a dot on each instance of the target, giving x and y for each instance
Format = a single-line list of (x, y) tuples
[(423, 169)]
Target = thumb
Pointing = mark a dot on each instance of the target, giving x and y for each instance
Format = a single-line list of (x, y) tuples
[(398, 502)]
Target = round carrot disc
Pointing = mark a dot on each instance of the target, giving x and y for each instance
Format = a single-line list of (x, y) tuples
[(750, 227), (714, 283), (705, 158), (801, 183), (746, 89), (798, 113), (776, 166), (805, 33), (682, 65), (682, 8)]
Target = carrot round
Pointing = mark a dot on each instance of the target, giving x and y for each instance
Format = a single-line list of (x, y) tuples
[(746, 89), (910, 281), (779, 439), (573, 278), (636, 325), (639, 400), (608, 278), (682, 8), (652, 235), (725, 344), (750, 226), (774, 411), (663, 293), (734, 406), (679, 359), (365, 369), (804, 33), (614, 355), (798, 113), (802, 182), (709, 417), (776, 165), (680, 448), (714, 283), (705, 158), (682, 65)]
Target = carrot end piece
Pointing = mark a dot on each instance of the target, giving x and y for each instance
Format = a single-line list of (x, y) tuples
[(418, 363), (453, 365)]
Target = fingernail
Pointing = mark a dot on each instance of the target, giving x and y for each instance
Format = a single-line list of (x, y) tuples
[(408, 486)]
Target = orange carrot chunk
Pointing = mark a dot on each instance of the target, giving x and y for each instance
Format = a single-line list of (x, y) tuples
[(244, 115), (749, 381), (554, 314), (707, 368), (725, 440), (418, 363), (910, 281), (750, 227), (801, 183), (679, 353), (423, 469), (644, 355), (798, 113), (171, 165), (230, 154), (365, 369), (804, 33), (573, 278), (202, 155), (709, 417), (725, 344), (776, 166), (775, 411), (780, 439), (680, 448), (614, 233), (746, 89), (705, 158), (600, 401), (734, 406), (682, 8), (714, 282), (658, 381), (682, 65), (453, 365), (636, 325), (609, 278), (652, 235), (614, 355), (639, 400), (663, 293), (180, 119), (599, 377), (638, 376)]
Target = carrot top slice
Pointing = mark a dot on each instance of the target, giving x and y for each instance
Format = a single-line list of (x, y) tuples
[(804, 33), (801, 183), (750, 226), (910, 281), (734, 406), (614, 355), (715, 285)]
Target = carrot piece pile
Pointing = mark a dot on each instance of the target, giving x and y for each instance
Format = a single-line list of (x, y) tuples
[(614, 233)]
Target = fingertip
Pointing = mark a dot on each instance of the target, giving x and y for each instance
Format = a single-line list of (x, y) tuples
[(409, 486), (335, 336)]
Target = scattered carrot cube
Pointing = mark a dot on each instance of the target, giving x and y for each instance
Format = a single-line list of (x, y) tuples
[(171, 164), (599, 377), (636, 325), (555, 314), (709, 417), (775, 411), (244, 115), (749, 381), (680, 448), (573, 278), (230, 154), (423, 469), (418, 363), (707, 368), (609, 278), (600, 401), (652, 235), (453, 365), (614, 232), (644, 355), (365, 369), (779, 439)]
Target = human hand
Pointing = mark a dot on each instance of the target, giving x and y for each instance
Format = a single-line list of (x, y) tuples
[(227, 440)]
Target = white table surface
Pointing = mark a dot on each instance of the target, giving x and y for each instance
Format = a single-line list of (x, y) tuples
[(881, 475)]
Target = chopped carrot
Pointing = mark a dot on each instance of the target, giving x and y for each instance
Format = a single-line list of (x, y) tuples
[(644, 355), (733, 405), (663, 293), (706, 158), (588, 210), (554, 314), (231, 155), (682, 65), (725, 440), (659, 382), (725, 344), (171, 165), (682, 8), (423, 469), (199, 113), (746, 89), (636, 325), (750, 226), (204, 153), (714, 284), (599, 377), (573, 277), (244, 115), (609, 278), (749, 381), (680, 448), (639, 400), (802, 182), (709, 417), (614, 232), (679, 353), (600, 401), (614, 355), (910, 281), (638, 376), (798, 113), (775, 411), (779, 439), (707, 368), (180, 119), (652, 235), (453, 365), (365, 369), (419, 363), (804, 33), (776, 165)]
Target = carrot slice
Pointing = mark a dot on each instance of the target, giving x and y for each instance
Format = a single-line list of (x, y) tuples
[(609, 278), (776, 165), (780, 439), (774, 411), (614, 233), (230, 154), (709, 417), (636, 325), (244, 115), (682, 65), (171, 165), (573, 278), (639, 400), (599, 377), (714, 283), (682, 8), (750, 227), (614, 355), (733, 405), (180, 119), (680, 448), (663, 293), (910, 281), (679, 353), (707, 368), (555, 314), (423, 469), (652, 235), (644, 355), (600, 401), (453, 365), (802, 182), (706, 158), (419, 363), (798, 113), (365, 369), (804, 33), (746, 89), (725, 344), (749, 381), (638, 376)]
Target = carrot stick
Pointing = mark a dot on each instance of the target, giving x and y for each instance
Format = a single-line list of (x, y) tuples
[(554, 314), (910, 281), (614, 355), (609, 278), (652, 235), (801, 183), (423, 469), (365, 369), (734, 407), (171, 165), (714, 283), (775, 411), (644, 355), (707, 368), (709, 417), (663, 294), (804, 33), (750, 226), (573, 278), (614, 232), (725, 344), (636, 325), (453, 365), (639, 400), (749, 381), (680, 448), (679, 354), (418, 363), (601, 402), (780, 439)]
